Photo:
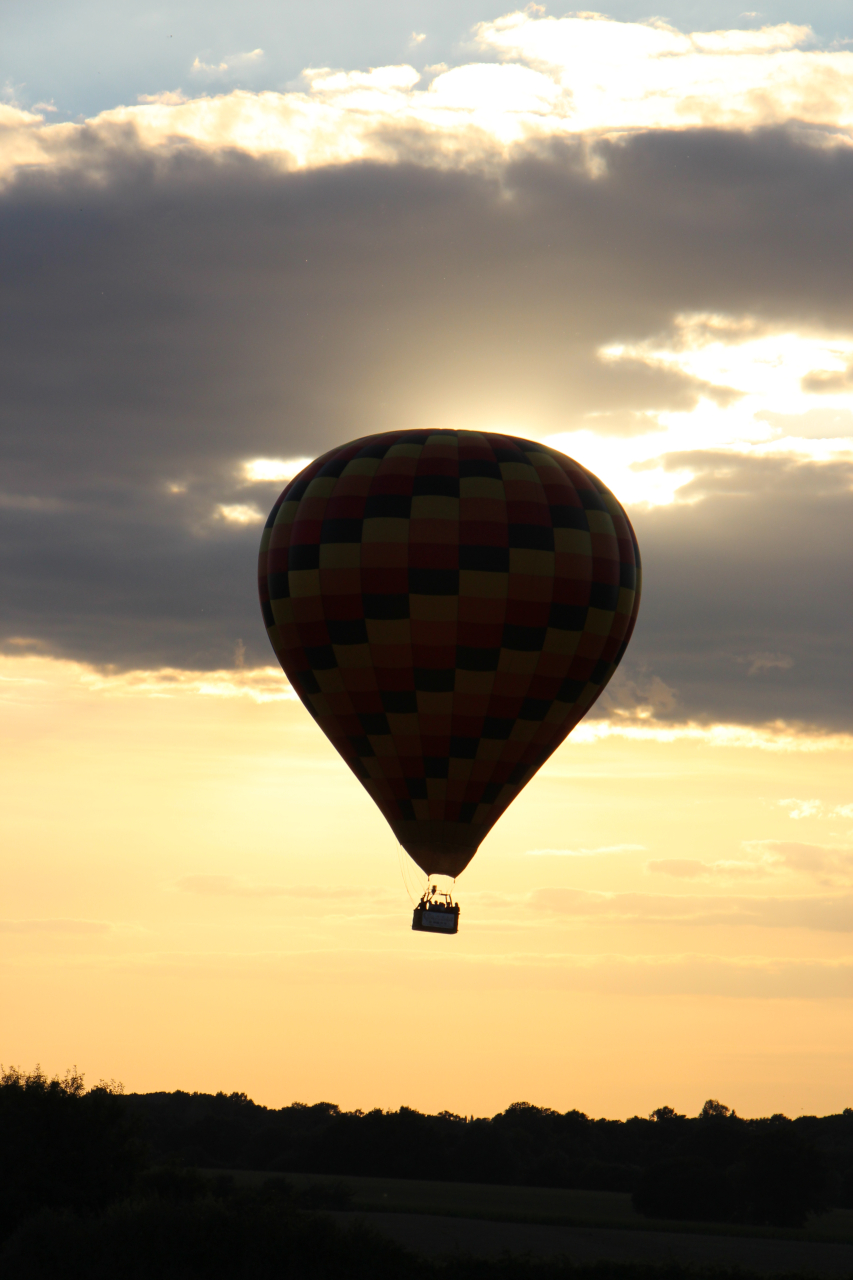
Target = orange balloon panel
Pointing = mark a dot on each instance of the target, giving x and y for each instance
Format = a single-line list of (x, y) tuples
[(447, 605)]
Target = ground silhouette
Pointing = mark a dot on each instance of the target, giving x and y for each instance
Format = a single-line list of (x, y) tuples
[(95, 1184), (715, 1166)]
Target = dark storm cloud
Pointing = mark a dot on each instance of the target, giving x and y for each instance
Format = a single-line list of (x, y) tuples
[(168, 318), (746, 596)]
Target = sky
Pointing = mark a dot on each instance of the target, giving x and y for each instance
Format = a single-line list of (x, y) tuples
[(232, 240)]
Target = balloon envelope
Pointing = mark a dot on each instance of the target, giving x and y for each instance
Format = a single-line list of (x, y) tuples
[(447, 605)]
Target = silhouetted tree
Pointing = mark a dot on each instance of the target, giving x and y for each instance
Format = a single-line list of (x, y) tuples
[(717, 1137), (62, 1146), (684, 1189), (524, 1144), (714, 1110), (665, 1114), (779, 1178)]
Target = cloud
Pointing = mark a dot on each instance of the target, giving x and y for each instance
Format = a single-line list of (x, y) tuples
[(721, 553), (828, 864), (530, 78), (228, 886), (55, 926), (266, 470), (828, 381), (738, 977), (815, 809), (13, 117), (584, 853), (695, 869), (216, 886), (767, 662), (777, 736), (801, 808), (760, 411), (718, 593), (660, 77), (816, 424), (260, 684), (754, 977), (268, 684), (239, 513), (228, 68), (822, 914), (641, 699), (193, 319), (167, 98)]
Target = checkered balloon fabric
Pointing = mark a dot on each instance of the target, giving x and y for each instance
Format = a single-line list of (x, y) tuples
[(447, 605)]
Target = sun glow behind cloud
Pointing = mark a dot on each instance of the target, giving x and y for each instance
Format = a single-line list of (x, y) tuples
[(560, 77), (239, 513), (759, 393), (764, 380), (264, 470)]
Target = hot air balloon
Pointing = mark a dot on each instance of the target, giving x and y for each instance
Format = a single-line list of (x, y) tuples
[(447, 605)]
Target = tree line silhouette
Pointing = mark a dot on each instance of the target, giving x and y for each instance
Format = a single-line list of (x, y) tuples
[(95, 1182), (715, 1166)]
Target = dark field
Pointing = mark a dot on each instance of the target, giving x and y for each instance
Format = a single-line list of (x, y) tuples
[(440, 1219), (539, 1205), (444, 1236)]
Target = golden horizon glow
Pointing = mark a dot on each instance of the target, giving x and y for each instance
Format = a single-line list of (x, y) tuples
[(205, 898)]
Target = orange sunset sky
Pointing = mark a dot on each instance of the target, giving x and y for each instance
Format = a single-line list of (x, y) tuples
[(624, 238)]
